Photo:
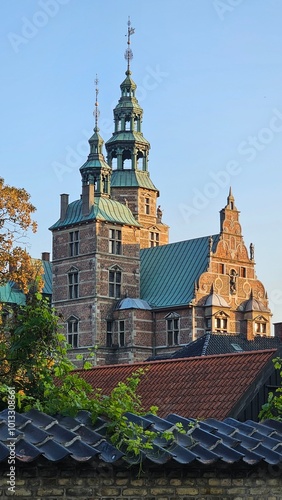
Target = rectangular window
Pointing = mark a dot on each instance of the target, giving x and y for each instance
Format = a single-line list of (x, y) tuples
[(221, 325), (173, 331), (221, 268), (121, 334), (115, 284), (72, 327), (73, 243), (73, 285), (154, 239), (243, 272), (260, 327), (115, 241), (147, 206), (208, 324), (109, 333)]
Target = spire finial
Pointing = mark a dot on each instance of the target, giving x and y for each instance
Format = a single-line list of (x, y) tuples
[(96, 111), (128, 53)]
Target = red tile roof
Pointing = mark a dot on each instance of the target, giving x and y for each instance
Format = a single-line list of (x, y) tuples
[(200, 387)]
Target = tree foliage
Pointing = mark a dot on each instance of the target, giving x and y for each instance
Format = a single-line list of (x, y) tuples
[(34, 362), (273, 407), (16, 211)]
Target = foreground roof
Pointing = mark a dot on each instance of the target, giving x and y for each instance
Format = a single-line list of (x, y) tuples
[(201, 387), (169, 272), (210, 441)]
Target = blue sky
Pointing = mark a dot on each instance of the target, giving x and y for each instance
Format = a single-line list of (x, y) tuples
[(209, 77)]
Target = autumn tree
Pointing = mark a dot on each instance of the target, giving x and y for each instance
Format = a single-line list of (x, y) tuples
[(16, 212)]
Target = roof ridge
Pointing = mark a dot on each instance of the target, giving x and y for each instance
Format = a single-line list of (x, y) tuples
[(179, 242), (206, 343), (179, 360)]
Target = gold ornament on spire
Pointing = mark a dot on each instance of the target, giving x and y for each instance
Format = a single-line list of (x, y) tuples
[(96, 110), (128, 53)]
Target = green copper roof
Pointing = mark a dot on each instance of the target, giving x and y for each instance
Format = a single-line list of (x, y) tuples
[(128, 82), (103, 209), (132, 178), (47, 266), (97, 163), (125, 103), (10, 294), (129, 136), (169, 272)]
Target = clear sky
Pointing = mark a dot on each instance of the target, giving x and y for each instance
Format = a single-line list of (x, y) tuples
[(209, 77)]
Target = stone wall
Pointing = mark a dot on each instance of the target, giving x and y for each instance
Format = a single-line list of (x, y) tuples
[(98, 480)]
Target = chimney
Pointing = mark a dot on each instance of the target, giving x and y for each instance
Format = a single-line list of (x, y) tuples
[(87, 198), (64, 205), (45, 256)]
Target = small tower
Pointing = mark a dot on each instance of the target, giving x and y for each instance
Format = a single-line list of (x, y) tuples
[(95, 172), (128, 155)]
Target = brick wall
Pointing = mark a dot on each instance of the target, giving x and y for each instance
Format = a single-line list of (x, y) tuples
[(98, 480)]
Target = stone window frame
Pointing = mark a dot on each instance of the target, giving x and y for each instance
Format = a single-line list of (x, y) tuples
[(73, 283), (260, 324), (172, 329), (121, 332), (115, 241), (154, 239), (74, 243), (115, 282), (147, 205), (109, 333), (73, 331), (221, 322)]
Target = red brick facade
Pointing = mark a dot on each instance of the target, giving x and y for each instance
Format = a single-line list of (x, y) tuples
[(96, 259)]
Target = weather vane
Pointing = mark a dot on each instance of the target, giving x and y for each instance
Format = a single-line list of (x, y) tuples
[(128, 53), (96, 111)]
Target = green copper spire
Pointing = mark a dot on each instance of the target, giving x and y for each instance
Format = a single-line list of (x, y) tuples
[(95, 170), (127, 146)]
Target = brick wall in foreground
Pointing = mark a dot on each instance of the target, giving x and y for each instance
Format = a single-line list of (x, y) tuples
[(98, 480)]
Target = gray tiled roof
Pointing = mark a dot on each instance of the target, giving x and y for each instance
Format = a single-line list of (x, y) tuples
[(205, 442), (214, 343)]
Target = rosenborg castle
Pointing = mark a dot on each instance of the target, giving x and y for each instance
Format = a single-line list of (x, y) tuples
[(119, 284)]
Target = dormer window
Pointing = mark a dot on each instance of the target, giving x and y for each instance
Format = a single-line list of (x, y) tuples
[(260, 325), (220, 322)]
